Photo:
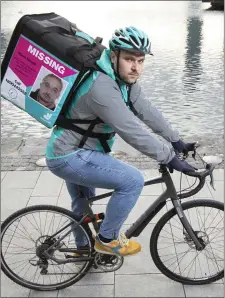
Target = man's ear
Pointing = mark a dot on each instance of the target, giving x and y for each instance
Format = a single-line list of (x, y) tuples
[(113, 57)]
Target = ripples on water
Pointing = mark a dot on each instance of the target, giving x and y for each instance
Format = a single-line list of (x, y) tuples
[(184, 79)]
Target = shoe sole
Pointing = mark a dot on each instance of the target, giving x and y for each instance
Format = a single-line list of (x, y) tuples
[(114, 254)]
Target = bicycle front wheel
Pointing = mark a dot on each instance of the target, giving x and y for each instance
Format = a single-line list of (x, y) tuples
[(26, 234), (174, 252)]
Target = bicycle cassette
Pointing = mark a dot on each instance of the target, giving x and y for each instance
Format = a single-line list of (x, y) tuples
[(107, 263)]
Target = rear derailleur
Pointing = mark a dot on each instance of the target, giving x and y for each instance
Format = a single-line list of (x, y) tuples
[(42, 244)]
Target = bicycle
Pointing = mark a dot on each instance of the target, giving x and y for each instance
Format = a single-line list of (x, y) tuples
[(52, 252)]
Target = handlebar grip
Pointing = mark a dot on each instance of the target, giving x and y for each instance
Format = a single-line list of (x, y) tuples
[(195, 174), (203, 174)]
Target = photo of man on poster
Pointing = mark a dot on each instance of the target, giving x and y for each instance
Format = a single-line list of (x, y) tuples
[(49, 91)]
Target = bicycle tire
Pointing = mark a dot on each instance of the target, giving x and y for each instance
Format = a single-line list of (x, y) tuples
[(8, 272), (155, 236)]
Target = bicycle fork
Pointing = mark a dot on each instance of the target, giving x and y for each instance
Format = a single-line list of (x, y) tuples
[(171, 193), (177, 205)]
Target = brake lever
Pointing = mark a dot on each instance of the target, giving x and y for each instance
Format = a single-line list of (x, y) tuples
[(212, 181), (194, 150), (211, 176), (194, 153)]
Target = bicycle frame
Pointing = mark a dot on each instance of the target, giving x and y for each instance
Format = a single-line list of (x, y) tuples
[(170, 193), (139, 225)]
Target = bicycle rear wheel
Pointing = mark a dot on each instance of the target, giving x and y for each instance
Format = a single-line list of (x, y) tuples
[(174, 253), (27, 233)]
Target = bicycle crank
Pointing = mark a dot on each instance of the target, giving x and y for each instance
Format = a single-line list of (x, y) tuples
[(107, 263)]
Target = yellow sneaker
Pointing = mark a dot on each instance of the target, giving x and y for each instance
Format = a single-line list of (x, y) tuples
[(121, 247), (81, 248)]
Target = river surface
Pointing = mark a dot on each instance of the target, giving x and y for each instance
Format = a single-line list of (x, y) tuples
[(184, 78)]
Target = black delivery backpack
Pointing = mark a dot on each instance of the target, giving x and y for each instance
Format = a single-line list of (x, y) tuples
[(47, 58)]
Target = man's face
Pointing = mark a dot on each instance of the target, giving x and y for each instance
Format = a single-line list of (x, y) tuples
[(50, 90), (131, 65)]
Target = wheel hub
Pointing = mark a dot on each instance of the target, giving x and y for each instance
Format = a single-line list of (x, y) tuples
[(202, 238), (46, 242)]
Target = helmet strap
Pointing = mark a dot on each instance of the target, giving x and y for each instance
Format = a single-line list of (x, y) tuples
[(118, 66)]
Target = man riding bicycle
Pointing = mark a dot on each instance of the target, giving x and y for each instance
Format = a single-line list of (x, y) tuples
[(114, 102)]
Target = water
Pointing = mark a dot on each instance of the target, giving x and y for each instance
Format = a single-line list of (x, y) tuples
[(184, 79)]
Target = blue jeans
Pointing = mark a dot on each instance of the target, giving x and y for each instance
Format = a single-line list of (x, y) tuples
[(85, 170)]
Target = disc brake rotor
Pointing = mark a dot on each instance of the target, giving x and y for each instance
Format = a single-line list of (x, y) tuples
[(202, 237)]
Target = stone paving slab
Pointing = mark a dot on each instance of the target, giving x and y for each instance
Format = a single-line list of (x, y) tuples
[(138, 277), (147, 285), (21, 179), (13, 200), (3, 173), (47, 185), (33, 147), (213, 290), (11, 289), (36, 294), (104, 278), (43, 200), (88, 291), (10, 146)]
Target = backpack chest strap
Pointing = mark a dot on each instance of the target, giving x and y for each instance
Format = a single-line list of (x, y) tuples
[(87, 133)]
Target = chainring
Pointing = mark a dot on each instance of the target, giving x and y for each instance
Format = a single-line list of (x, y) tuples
[(107, 263)]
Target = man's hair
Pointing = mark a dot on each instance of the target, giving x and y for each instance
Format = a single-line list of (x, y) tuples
[(51, 75)]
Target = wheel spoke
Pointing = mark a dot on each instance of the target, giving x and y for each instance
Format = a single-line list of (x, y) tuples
[(24, 237), (173, 235), (190, 264), (206, 219)]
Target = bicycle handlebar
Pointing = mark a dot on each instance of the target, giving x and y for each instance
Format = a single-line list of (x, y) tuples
[(203, 174), (200, 175)]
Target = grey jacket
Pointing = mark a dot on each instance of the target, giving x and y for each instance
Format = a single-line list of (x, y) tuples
[(104, 100)]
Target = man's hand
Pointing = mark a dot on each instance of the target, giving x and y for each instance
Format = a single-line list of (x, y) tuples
[(182, 147), (179, 165)]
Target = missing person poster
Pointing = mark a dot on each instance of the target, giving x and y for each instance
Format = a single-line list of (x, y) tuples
[(37, 82)]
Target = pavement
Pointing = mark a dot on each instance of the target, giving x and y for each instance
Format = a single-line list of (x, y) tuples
[(21, 154), (138, 277)]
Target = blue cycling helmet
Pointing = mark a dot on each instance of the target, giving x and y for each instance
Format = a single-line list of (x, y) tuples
[(130, 39)]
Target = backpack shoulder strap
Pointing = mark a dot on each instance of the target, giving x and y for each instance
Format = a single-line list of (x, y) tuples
[(129, 102)]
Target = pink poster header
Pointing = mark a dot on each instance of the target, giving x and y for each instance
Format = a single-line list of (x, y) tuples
[(28, 59)]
